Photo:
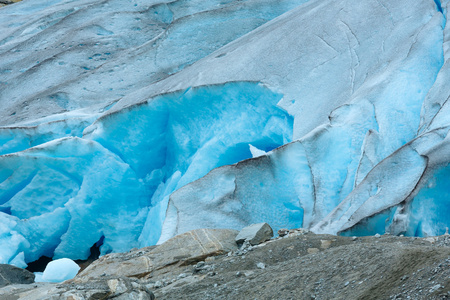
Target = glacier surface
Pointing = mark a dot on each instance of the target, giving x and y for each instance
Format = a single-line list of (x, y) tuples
[(124, 124)]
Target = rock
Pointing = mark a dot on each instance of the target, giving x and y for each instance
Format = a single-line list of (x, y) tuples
[(117, 288), (201, 267), (435, 288), (260, 265), (186, 248), (255, 234), (12, 275), (283, 232), (325, 244), (312, 250), (194, 246), (431, 240)]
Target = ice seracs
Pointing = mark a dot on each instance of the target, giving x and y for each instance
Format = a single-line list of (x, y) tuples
[(172, 116)]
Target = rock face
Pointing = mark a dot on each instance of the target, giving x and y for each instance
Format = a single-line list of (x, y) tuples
[(185, 248), (12, 275), (119, 288), (255, 234)]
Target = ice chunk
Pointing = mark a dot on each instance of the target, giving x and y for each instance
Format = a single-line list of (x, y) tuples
[(59, 270)]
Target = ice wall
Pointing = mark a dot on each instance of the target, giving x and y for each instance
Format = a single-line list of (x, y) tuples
[(113, 183), (360, 170), (147, 119), (68, 190), (177, 138)]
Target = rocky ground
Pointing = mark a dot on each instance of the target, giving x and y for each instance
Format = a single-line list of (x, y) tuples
[(207, 264), (309, 266)]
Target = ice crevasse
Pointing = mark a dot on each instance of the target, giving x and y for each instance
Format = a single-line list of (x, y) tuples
[(312, 115)]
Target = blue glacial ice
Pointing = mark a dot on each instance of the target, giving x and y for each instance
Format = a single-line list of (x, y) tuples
[(177, 138), (166, 116), (47, 218), (348, 158), (430, 208), (109, 184)]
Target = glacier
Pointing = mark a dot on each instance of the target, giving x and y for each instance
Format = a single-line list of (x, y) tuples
[(124, 124)]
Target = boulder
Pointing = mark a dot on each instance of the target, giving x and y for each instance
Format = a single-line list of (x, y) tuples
[(186, 248), (11, 275), (195, 246), (117, 288), (255, 234)]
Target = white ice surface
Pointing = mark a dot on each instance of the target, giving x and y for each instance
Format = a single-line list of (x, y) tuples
[(81, 53), (58, 271)]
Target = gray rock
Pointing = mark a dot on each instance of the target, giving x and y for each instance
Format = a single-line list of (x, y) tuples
[(186, 248), (11, 275), (255, 234), (282, 232), (435, 288), (118, 288)]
